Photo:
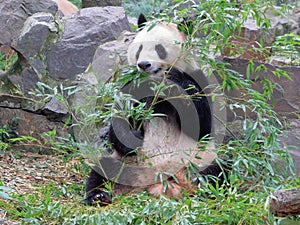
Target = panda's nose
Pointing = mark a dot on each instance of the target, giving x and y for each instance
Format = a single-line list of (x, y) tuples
[(144, 65)]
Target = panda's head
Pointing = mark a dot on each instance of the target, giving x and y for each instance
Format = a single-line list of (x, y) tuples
[(157, 48)]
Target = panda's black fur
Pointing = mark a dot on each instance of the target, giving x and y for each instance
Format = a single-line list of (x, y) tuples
[(96, 182)]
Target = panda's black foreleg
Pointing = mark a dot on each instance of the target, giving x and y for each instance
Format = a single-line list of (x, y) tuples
[(124, 138), (94, 190)]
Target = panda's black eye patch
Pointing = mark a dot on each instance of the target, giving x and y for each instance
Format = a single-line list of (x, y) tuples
[(161, 51), (137, 55)]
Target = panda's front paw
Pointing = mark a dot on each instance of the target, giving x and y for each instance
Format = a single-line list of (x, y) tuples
[(98, 197)]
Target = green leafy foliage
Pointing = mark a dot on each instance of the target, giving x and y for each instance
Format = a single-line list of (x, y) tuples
[(4, 135), (288, 46), (59, 205)]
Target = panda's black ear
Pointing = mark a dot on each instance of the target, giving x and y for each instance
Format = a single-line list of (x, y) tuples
[(141, 21)]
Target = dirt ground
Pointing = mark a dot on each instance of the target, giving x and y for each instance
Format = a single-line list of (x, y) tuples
[(33, 170)]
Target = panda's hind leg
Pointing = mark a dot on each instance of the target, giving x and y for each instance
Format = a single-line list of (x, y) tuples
[(173, 190), (94, 190)]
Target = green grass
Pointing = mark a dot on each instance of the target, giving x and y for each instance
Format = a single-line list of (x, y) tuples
[(288, 47), (63, 205), (237, 203)]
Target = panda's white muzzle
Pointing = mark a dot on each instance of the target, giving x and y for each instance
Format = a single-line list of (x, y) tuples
[(152, 68)]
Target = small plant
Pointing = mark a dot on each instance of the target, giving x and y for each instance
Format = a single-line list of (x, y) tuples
[(6, 61), (7, 132), (4, 134)]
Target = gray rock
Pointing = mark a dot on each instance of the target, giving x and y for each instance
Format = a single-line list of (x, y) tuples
[(51, 54), (85, 100), (35, 32), (288, 140), (52, 50), (286, 23), (251, 34), (107, 58), (83, 33), (111, 56), (55, 110), (13, 14), (9, 101)]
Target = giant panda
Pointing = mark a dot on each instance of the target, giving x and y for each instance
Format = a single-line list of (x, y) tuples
[(164, 143)]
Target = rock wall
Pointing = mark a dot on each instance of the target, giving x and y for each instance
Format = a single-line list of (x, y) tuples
[(56, 49), (52, 49)]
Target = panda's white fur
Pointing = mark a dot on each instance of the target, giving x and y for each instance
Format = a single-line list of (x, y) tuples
[(169, 149)]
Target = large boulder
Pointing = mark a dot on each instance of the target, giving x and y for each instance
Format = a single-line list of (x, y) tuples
[(290, 140), (31, 44), (83, 33), (111, 56), (285, 99), (13, 14), (21, 123)]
